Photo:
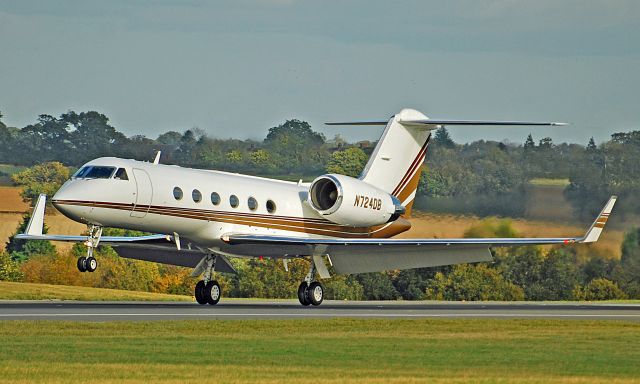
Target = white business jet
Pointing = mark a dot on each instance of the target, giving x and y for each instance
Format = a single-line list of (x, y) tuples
[(202, 218)]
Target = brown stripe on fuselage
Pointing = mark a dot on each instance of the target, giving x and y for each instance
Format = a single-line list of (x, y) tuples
[(287, 223)]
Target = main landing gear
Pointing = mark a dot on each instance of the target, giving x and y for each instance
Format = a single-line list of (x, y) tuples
[(89, 263), (310, 292), (208, 291)]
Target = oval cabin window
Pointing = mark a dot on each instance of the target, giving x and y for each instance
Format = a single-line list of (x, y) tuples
[(233, 200), (177, 193), (252, 203), (196, 196), (271, 206), (215, 198)]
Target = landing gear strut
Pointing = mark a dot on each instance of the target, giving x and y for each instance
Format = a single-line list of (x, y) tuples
[(89, 263), (207, 291), (310, 292)]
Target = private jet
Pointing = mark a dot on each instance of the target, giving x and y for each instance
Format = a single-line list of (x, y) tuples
[(202, 218)]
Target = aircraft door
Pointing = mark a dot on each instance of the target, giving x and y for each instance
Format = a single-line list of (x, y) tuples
[(144, 193)]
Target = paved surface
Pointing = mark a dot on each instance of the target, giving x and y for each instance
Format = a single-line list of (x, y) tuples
[(265, 309)]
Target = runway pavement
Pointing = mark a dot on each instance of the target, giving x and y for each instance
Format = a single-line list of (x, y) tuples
[(290, 309)]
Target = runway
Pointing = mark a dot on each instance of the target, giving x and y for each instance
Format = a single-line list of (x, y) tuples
[(290, 309)]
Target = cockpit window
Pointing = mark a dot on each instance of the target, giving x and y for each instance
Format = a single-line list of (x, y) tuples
[(97, 173), (121, 174), (81, 172)]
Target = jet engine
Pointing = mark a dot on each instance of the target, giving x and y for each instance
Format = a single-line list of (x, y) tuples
[(348, 201)]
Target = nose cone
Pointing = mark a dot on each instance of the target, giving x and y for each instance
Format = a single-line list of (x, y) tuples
[(68, 200)]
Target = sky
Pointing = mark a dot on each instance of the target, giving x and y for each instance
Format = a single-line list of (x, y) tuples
[(237, 68)]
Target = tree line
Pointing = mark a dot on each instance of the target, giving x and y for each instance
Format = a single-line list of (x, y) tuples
[(491, 173)]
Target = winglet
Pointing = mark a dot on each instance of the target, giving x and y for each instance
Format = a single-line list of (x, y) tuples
[(36, 222), (596, 228)]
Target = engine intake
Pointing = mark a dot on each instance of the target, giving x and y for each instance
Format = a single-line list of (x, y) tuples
[(349, 201)]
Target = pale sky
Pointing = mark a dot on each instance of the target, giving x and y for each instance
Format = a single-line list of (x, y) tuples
[(237, 68)]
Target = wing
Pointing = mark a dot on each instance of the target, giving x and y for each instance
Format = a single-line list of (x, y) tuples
[(369, 255), (172, 256)]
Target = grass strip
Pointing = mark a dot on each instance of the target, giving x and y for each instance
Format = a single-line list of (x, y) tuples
[(321, 351), (32, 291)]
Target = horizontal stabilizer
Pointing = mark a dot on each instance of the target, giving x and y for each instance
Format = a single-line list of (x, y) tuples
[(432, 123)]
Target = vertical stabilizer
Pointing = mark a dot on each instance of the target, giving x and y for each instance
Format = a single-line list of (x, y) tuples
[(396, 161)]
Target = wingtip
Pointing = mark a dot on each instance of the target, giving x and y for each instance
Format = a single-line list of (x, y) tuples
[(593, 234)]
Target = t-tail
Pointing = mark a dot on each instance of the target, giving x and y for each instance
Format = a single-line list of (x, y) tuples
[(396, 163)]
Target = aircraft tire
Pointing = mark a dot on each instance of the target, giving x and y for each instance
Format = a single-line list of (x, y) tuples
[(315, 293), (81, 264), (302, 294), (91, 264), (212, 292), (199, 293)]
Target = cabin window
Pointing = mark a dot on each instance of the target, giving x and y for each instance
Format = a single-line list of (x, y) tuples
[(252, 203), (121, 174), (271, 206), (215, 198), (177, 193), (234, 201), (196, 196)]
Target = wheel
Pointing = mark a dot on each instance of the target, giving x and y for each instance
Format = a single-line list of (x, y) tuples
[(199, 293), (82, 265), (315, 293), (91, 264), (302, 294), (212, 292)]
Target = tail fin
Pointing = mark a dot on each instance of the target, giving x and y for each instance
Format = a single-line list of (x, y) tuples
[(396, 161)]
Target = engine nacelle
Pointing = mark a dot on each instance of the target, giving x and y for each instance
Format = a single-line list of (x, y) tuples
[(348, 201)]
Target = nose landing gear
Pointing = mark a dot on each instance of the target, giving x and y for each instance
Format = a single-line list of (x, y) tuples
[(89, 263)]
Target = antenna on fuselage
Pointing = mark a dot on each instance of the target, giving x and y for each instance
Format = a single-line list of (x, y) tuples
[(157, 159)]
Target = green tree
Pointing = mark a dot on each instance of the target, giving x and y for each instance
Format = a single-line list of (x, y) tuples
[(377, 286), (599, 289), (472, 283), (529, 144), (627, 274), (9, 268), (93, 135), (350, 162), (294, 145), (21, 250), (42, 178), (443, 138)]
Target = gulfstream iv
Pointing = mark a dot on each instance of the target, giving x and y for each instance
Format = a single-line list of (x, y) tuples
[(201, 218)]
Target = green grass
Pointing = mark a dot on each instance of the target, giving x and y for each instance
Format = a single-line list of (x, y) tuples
[(549, 182), (31, 291), (320, 351)]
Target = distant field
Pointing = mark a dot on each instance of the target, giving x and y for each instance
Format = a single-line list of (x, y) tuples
[(547, 182), (31, 291), (6, 170), (10, 200), (321, 351)]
